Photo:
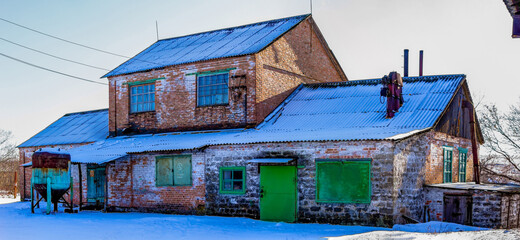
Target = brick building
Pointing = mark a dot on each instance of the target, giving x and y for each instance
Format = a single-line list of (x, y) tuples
[(261, 121)]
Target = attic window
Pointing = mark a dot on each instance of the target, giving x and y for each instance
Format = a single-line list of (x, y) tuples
[(212, 89), (142, 98)]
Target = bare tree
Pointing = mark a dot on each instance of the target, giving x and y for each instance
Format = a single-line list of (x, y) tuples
[(8, 162), (501, 131)]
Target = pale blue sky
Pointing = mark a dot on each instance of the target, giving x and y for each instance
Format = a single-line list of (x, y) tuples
[(472, 37)]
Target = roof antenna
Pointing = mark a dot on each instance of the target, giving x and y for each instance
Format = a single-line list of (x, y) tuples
[(157, 29), (311, 5)]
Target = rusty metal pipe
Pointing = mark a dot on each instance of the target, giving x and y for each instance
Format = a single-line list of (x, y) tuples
[(474, 150)]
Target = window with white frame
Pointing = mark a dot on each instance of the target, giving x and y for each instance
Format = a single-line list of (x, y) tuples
[(142, 98), (212, 89)]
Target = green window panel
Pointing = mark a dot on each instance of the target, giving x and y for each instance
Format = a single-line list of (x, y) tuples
[(448, 159), (173, 170), (345, 181), (463, 159), (182, 170), (233, 180)]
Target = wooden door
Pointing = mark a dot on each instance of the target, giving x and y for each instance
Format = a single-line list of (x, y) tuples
[(458, 209)]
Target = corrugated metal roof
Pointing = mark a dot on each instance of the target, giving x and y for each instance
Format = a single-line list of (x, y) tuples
[(72, 128), (318, 112), (236, 41)]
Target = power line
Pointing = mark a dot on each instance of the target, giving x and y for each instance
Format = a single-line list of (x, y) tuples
[(65, 40), (48, 54), (50, 70)]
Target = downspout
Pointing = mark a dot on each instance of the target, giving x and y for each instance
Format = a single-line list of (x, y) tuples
[(474, 150), (24, 183), (115, 108)]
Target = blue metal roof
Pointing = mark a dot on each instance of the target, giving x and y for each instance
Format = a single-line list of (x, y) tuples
[(72, 128), (236, 41), (318, 112)]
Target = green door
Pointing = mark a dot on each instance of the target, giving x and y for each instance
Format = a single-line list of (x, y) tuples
[(96, 185), (278, 193)]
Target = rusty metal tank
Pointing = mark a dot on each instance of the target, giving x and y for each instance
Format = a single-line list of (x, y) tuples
[(50, 167)]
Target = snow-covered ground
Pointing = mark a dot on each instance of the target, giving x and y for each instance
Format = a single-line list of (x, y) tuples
[(16, 222)]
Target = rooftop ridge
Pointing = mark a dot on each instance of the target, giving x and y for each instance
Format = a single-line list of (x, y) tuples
[(86, 112), (377, 81), (147, 59), (235, 27)]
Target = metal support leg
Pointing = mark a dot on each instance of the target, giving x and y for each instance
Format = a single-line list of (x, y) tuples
[(71, 195), (32, 197), (49, 193)]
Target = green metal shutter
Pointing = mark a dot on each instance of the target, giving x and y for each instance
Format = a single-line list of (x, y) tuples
[(164, 171), (182, 171), (343, 181)]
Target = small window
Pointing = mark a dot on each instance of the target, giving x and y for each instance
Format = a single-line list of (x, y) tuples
[(173, 170), (448, 158), (233, 180), (346, 181), (463, 158), (212, 89), (142, 98)]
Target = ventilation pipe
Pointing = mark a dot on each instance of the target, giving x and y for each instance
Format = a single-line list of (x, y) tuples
[(421, 55), (474, 150), (406, 62), (392, 90)]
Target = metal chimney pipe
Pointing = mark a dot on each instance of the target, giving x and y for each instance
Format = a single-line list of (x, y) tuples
[(421, 54), (406, 63)]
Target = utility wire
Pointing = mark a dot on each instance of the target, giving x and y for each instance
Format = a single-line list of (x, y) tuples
[(48, 54), (50, 70), (61, 39)]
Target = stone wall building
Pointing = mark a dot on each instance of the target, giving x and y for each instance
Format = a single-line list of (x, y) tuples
[(260, 121)]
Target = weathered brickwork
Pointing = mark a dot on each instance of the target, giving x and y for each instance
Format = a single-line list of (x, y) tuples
[(434, 165), (299, 56), (257, 84), (132, 186), (176, 102)]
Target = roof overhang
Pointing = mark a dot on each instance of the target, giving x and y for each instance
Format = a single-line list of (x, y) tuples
[(270, 160)]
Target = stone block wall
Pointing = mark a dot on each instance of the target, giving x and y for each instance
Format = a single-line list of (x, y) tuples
[(132, 186), (378, 212), (408, 174), (510, 212), (487, 210)]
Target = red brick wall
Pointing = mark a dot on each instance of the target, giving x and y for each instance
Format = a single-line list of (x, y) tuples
[(435, 161), (176, 100), (297, 57), (266, 78), (132, 185)]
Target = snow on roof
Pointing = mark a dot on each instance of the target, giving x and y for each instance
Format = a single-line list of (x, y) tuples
[(72, 128), (235, 41), (343, 111)]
